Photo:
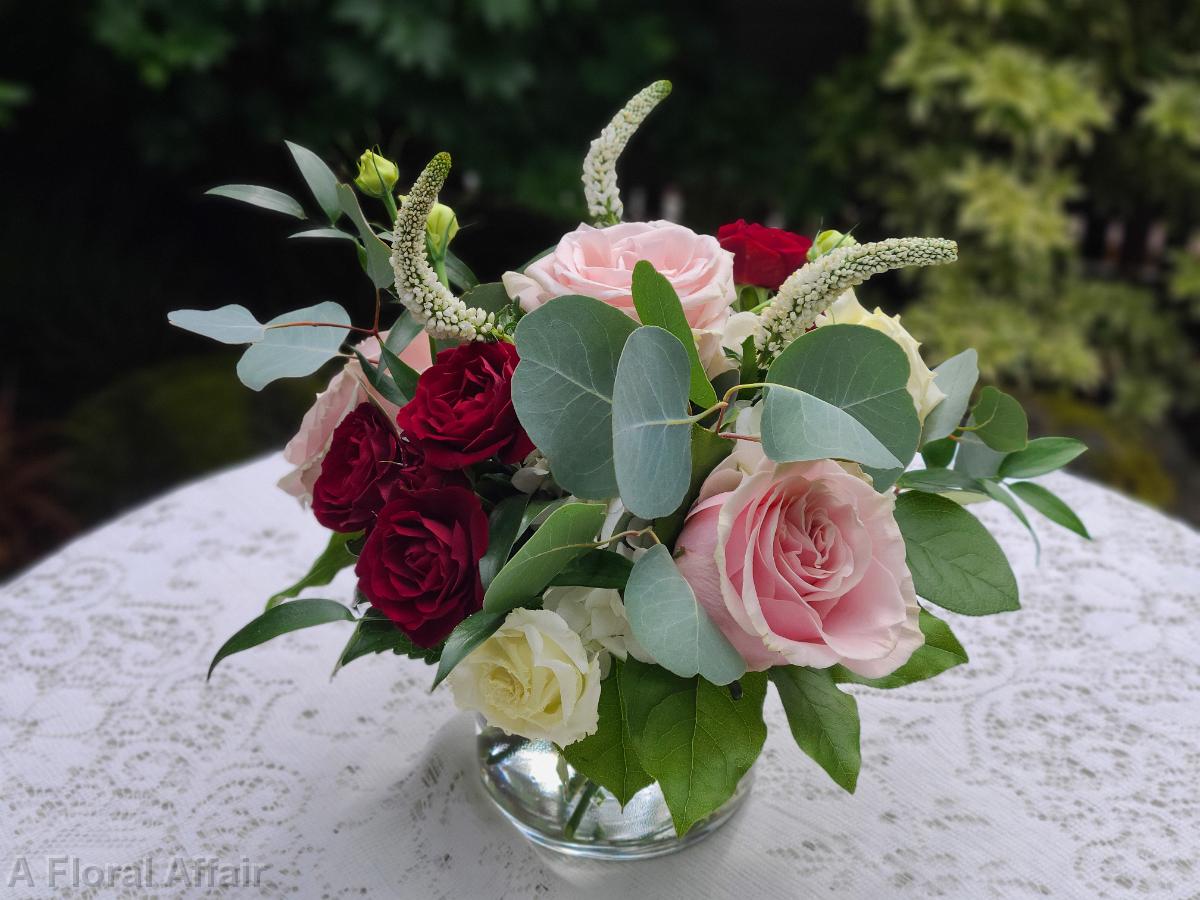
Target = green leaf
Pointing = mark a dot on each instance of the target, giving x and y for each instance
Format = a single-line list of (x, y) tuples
[(376, 633), (607, 757), (668, 621), (954, 561), (297, 351), (658, 304), (1001, 421), (403, 375), (595, 569), (403, 332), (692, 737), (864, 373), (938, 454), (1050, 506), (1042, 455), (707, 451), (378, 380), (976, 458), (467, 635), (459, 273), (504, 527), (997, 492), (567, 533), (956, 378), (378, 264), (650, 423), (562, 389), (230, 324), (797, 426), (941, 651), (262, 197), (321, 181), (822, 719), (280, 620), (749, 368), (939, 481), (335, 557), (324, 233)]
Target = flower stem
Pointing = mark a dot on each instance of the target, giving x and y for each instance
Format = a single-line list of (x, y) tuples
[(585, 797)]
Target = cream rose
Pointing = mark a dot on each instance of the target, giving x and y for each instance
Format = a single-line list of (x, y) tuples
[(346, 390), (846, 310), (598, 262), (597, 615), (533, 678), (801, 564)]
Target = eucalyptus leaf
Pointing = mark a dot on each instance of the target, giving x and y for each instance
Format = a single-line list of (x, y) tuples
[(563, 387), (280, 620), (336, 556), (262, 197), (607, 756), (692, 737), (378, 256), (1042, 455), (976, 458), (707, 450), (1050, 506), (956, 378), (1000, 421), (658, 304), (321, 181), (467, 635), (953, 560), (941, 651), (651, 428), (822, 719), (797, 426), (569, 532), (230, 324), (669, 622), (294, 351), (938, 454), (862, 372)]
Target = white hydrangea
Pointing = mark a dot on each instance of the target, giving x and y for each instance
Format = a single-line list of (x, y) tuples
[(600, 165), (444, 315), (597, 615), (811, 289)]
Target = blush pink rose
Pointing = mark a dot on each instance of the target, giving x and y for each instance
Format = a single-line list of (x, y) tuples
[(598, 262), (346, 390), (801, 564)]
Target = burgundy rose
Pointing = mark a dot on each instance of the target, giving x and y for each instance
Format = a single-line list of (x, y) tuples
[(763, 256), (462, 412), (420, 563), (367, 461)]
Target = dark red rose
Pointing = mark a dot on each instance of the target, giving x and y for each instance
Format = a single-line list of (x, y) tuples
[(763, 256), (420, 563), (366, 463), (462, 412)]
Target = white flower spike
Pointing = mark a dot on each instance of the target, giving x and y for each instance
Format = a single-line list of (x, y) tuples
[(811, 289), (445, 316), (600, 165)]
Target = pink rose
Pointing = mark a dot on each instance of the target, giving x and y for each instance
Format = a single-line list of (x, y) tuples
[(598, 262), (346, 390), (801, 564)]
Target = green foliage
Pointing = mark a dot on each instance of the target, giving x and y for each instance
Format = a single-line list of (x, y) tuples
[(956, 378), (823, 720), (999, 421), (595, 569), (608, 756), (281, 620), (658, 304), (1050, 506), (707, 451), (941, 651), (262, 197), (692, 737), (1042, 455), (466, 636), (376, 633), (337, 555), (668, 621)]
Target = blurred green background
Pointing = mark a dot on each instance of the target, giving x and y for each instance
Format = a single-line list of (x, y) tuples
[(1057, 140)]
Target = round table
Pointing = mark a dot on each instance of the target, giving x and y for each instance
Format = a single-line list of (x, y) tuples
[(1064, 761)]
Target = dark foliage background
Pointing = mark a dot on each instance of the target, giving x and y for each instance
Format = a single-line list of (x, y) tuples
[(116, 115)]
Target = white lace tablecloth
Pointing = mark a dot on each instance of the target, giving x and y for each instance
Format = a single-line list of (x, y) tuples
[(1064, 761)]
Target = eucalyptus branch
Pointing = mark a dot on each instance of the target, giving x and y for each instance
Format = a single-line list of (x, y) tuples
[(725, 401)]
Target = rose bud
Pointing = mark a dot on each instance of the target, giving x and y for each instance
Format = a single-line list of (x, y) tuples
[(420, 563), (462, 410), (763, 256)]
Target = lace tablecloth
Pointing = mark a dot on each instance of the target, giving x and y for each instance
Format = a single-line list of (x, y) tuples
[(1064, 761)]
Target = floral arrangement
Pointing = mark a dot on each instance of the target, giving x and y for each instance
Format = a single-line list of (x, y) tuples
[(614, 494)]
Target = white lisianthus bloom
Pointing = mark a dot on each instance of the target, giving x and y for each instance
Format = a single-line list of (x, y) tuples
[(846, 310), (597, 615), (532, 678)]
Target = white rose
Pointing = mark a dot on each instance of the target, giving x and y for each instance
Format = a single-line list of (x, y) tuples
[(846, 310), (597, 615), (532, 678)]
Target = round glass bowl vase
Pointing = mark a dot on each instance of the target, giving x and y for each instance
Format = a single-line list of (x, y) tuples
[(559, 809)]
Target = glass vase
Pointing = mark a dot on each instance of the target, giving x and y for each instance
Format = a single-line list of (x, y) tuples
[(559, 809)]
